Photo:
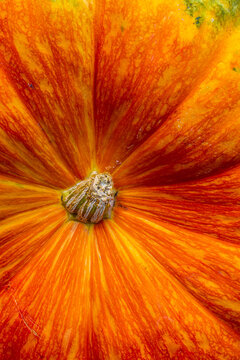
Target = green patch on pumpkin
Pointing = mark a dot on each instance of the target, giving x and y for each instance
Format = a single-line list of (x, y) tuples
[(217, 12), (236, 69)]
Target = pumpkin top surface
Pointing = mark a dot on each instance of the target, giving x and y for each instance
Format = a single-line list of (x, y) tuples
[(149, 93)]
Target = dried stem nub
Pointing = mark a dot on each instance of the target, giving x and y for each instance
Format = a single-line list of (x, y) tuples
[(90, 200)]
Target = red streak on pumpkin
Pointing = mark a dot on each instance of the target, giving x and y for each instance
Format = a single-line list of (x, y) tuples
[(200, 138), (210, 206), (46, 87)]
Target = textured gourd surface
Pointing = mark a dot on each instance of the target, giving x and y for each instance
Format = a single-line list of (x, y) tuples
[(149, 91)]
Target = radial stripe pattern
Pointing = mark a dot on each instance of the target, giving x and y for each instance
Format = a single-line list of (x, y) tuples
[(149, 92)]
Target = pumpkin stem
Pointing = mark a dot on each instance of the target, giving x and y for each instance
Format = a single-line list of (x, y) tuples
[(90, 200)]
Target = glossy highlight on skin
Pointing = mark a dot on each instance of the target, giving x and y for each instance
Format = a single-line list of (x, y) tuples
[(138, 90)]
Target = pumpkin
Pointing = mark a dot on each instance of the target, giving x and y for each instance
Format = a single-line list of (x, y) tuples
[(144, 94)]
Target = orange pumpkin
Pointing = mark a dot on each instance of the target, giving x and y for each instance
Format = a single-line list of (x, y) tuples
[(147, 91)]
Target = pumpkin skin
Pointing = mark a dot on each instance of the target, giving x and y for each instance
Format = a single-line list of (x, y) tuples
[(145, 92)]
